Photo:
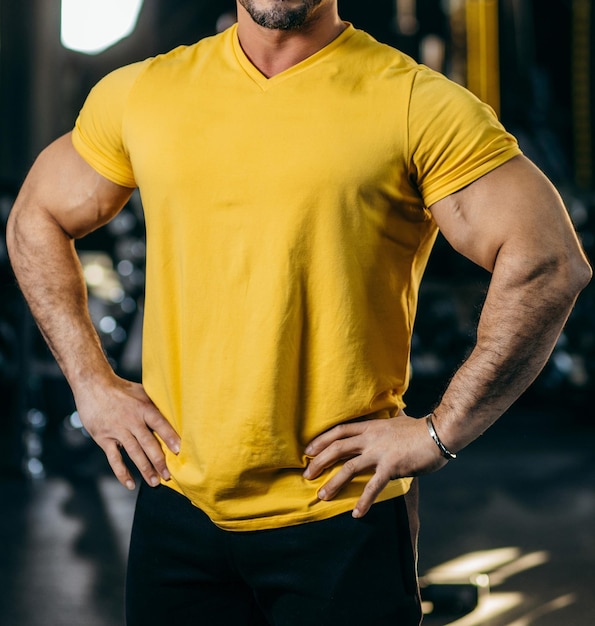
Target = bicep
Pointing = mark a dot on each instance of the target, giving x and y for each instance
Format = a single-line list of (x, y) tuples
[(63, 188), (514, 209)]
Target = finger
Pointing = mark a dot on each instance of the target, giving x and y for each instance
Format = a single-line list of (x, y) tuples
[(371, 491), (337, 451), (137, 455), (121, 472), (346, 474), (342, 431), (152, 450), (164, 429)]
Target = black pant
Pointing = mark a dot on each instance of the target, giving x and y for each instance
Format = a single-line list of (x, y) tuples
[(183, 570)]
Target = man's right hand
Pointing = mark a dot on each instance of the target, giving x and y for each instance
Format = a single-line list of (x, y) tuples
[(122, 416)]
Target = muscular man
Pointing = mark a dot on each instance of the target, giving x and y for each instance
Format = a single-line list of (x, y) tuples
[(294, 174)]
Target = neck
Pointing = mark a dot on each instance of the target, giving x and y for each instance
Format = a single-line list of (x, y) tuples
[(274, 51)]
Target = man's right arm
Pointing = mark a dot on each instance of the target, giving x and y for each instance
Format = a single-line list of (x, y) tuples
[(63, 199)]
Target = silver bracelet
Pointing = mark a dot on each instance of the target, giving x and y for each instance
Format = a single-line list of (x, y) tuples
[(446, 453)]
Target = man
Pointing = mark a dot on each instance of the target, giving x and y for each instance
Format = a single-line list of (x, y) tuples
[(293, 174)]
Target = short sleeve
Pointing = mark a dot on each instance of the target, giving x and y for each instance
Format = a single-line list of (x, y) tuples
[(99, 132), (454, 138)]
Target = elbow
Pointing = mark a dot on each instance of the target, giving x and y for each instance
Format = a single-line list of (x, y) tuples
[(583, 273), (561, 273), (12, 234), (574, 274), (18, 227)]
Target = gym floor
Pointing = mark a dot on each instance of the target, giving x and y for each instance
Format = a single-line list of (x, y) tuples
[(510, 523)]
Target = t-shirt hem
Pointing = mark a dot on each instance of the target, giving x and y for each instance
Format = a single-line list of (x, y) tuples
[(461, 182), (327, 510), (92, 159)]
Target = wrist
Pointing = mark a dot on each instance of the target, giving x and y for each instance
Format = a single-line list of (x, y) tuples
[(444, 451), (94, 374)]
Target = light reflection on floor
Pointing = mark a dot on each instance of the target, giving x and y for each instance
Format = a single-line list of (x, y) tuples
[(486, 570), (521, 509)]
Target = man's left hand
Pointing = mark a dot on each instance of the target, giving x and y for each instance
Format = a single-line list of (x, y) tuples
[(397, 447)]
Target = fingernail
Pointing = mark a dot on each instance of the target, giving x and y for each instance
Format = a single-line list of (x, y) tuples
[(306, 474), (166, 475), (175, 448), (356, 513), (322, 494), (130, 485), (154, 481), (309, 450)]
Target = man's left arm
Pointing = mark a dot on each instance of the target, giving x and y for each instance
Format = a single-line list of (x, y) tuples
[(513, 223)]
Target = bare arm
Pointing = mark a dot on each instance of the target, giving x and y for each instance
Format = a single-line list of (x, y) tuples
[(513, 223), (63, 198)]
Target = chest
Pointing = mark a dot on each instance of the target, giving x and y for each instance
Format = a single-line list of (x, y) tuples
[(224, 140)]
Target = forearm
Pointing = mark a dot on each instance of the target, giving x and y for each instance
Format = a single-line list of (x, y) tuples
[(522, 318), (51, 279)]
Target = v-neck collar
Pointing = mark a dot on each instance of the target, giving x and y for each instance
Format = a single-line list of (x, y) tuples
[(266, 83)]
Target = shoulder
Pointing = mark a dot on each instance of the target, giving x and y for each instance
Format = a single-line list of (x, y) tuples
[(180, 58), (187, 58), (378, 55)]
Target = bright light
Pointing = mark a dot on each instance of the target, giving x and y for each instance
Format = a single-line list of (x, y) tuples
[(472, 563), (92, 26)]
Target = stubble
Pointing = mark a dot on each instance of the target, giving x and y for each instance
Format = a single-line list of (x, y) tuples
[(279, 15)]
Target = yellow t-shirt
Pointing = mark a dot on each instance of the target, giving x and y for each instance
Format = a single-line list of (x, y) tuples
[(287, 234)]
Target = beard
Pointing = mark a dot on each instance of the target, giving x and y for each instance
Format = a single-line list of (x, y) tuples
[(279, 16)]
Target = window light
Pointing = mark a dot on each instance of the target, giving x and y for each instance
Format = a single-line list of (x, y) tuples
[(92, 26)]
